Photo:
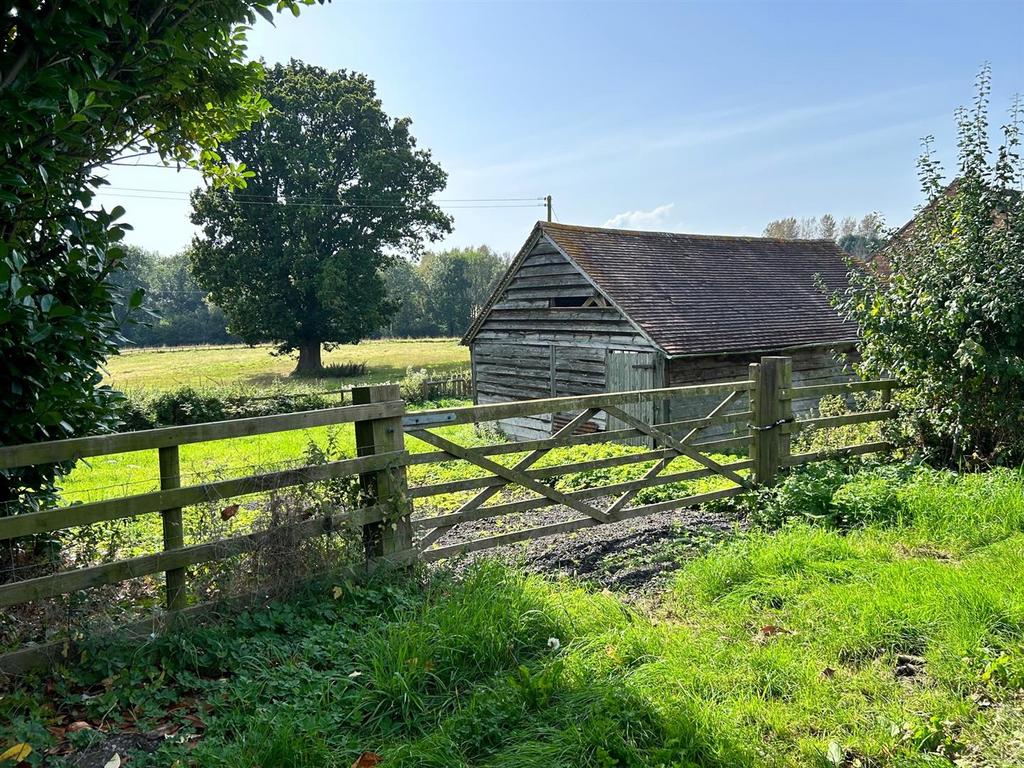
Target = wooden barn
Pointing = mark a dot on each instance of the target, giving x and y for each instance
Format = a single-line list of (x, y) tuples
[(584, 310)]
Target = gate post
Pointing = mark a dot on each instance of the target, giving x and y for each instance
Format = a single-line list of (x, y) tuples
[(772, 407), (393, 535)]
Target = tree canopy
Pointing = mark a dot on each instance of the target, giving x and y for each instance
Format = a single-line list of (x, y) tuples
[(441, 294), (83, 82), (338, 189), (858, 237), (942, 311)]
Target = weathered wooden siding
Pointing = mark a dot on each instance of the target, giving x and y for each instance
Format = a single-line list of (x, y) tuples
[(528, 349), (810, 366)]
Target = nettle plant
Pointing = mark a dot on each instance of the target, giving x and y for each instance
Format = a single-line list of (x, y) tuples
[(940, 308)]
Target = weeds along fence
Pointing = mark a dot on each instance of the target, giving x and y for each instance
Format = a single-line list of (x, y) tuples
[(396, 520)]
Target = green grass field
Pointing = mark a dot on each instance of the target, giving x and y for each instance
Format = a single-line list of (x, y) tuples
[(159, 369), (896, 645)]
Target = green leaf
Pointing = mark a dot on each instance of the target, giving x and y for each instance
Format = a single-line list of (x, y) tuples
[(73, 98), (135, 301), (266, 14)]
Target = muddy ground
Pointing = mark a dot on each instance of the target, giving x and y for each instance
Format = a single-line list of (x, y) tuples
[(633, 557)]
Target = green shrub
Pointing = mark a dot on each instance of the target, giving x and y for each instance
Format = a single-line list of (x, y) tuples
[(413, 386), (186, 406), (193, 406)]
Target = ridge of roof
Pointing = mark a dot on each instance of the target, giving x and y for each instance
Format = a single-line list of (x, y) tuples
[(619, 263), (545, 225)]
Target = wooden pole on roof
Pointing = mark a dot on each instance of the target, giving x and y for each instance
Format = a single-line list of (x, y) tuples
[(548, 201)]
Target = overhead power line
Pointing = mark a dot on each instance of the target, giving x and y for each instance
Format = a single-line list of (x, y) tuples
[(368, 201), (342, 206)]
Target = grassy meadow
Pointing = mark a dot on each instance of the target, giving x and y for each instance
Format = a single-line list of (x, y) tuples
[(896, 644), (248, 369), (239, 366)]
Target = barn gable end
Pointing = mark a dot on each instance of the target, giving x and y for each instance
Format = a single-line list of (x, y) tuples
[(531, 341)]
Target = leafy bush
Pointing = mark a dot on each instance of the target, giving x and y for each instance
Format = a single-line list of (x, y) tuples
[(186, 406), (941, 310), (189, 405), (839, 494), (413, 386)]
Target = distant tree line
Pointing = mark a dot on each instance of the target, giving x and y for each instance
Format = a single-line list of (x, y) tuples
[(857, 237), (437, 295), (178, 311), (441, 294)]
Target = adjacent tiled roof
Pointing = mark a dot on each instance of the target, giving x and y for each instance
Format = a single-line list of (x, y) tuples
[(701, 294)]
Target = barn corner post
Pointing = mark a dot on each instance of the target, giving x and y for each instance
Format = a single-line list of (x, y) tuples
[(772, 408), (388, 487)]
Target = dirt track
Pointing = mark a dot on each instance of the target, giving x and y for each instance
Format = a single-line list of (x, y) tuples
[(635, 557)]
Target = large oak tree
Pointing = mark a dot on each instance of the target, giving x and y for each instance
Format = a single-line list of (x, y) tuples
[(339, 188)]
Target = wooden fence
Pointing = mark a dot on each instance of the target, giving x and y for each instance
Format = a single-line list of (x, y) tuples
[(397, 521)]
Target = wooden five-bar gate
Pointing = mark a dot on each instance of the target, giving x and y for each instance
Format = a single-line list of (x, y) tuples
[(398, 521)]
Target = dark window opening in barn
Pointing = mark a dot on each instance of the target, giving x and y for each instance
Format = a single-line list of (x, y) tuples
[(579, 301)]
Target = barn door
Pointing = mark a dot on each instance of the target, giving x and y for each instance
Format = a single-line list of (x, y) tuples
[(625, 372)]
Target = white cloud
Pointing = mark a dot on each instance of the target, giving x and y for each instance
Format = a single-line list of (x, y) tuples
[(641, 219)]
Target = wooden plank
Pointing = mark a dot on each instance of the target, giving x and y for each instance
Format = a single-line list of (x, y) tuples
[(772, 410), (124, 442), (671, 442), (514, 475), (497, 449), (173, 528), (533, 503), (863, 417), (556, 470), (388, 486), (839, 389), (130, 506), (498, 411), (848, 450), (144, 565)]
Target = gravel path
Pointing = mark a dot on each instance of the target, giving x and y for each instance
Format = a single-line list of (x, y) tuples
[(634, 557)]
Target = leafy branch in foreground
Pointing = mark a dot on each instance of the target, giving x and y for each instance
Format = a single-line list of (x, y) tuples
[(83, 82), (940, 307)]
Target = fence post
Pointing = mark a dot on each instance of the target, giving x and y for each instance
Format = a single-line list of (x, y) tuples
[(174, 529), (772, 407), (394, 535)]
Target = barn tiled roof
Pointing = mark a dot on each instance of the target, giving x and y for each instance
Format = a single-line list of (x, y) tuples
[(699, 294)]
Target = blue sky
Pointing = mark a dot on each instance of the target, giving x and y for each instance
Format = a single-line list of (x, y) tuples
[(710, 117)]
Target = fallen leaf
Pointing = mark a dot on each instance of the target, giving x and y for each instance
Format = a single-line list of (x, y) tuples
[(828, 673), (56, 731), (774, 629), (113, 762), (19, 752), (229, 511), (338, 592), (79, 725), (367, 760), (194, 719), (167, 729)]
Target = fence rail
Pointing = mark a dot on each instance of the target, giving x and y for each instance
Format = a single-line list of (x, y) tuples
[(398, 521)]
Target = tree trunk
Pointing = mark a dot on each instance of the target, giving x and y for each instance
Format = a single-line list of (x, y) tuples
[(309, 359)]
